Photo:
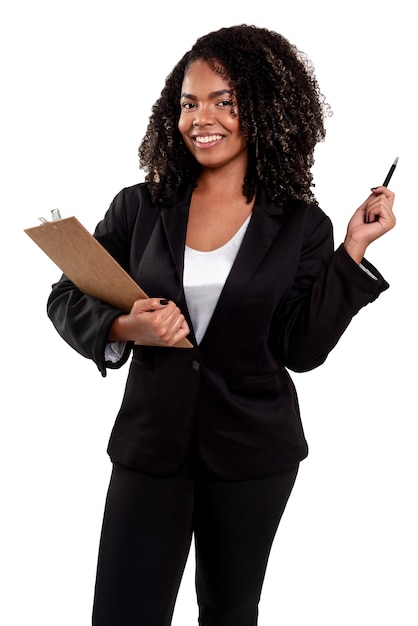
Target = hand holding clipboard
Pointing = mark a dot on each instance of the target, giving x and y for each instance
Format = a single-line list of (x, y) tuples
[(88, 264)]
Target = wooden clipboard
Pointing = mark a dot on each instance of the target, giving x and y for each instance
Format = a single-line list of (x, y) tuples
[(88, 264)]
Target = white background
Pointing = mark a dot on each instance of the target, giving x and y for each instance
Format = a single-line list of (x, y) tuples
[(78, 80)]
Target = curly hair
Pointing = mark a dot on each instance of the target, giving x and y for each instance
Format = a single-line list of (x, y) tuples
[(281, 115)]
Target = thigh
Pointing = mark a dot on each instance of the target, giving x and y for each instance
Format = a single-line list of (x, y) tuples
[(144, 545), (235, 524)]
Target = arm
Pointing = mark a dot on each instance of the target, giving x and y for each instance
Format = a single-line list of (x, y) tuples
[(328, 290), (83, 322), (88, 324)]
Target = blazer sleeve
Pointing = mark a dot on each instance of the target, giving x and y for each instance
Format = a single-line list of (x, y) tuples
[(329, 289), (82, 321)]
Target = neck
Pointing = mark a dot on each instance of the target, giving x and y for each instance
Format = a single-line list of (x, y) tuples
[(221, 181)]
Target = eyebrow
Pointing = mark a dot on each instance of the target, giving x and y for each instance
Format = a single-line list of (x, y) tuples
[(213, 94)]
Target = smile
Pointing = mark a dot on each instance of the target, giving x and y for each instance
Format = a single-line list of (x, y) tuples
[(203, 140)]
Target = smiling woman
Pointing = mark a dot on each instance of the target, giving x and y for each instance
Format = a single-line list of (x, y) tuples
[(227, 235)]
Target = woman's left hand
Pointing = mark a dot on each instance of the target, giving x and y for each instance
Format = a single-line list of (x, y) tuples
[(372, 219)]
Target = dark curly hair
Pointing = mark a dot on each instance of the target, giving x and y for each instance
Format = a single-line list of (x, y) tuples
[(281, 115)]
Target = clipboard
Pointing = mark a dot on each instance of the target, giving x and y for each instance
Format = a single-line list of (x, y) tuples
[(88, 264)]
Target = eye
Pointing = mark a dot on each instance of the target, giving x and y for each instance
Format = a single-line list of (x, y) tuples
[(225, 103), (187, 105)]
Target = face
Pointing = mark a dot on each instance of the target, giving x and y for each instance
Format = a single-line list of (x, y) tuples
[(209, 129)]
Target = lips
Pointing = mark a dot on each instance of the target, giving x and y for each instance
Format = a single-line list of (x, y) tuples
[(204, 140)]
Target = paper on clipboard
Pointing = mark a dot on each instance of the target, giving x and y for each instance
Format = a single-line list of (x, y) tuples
[(88, 264)]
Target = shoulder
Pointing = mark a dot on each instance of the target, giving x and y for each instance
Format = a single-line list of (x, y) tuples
[(128, 204), (316, 217), (133, 196), (299, 214), (308, 219), (123, 213), (138, 196), (311, 213)]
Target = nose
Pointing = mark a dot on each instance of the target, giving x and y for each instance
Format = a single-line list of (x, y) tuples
[(203, 116)]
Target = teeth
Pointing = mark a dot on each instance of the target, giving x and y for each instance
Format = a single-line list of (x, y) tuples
[(208, 139)]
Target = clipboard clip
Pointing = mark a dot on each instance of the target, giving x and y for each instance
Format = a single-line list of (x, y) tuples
[(55, 214)]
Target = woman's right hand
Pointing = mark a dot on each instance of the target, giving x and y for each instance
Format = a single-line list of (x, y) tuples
[(151, 321)]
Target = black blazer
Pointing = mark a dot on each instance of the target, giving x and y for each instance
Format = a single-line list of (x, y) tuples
[(287, 301)]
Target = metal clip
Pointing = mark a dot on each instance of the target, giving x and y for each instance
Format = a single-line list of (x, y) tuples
[(55, 215)]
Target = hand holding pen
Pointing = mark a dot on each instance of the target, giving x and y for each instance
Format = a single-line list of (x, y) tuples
[(372, 219)]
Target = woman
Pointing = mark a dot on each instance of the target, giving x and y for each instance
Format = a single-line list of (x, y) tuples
[(225, 233)]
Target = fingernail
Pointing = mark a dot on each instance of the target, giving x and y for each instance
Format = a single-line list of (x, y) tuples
[(163, 301), (373, 188)]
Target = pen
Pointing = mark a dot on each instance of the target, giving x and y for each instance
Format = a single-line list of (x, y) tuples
[(390, 172)]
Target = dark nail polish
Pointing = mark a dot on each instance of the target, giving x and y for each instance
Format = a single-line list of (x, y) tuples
[(163, 301)]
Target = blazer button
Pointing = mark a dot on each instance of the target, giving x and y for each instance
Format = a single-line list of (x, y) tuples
[(195, 365)]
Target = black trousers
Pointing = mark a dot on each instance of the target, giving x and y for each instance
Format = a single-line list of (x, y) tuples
[(147, 530)]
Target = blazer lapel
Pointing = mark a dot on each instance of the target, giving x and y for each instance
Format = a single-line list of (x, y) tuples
[(263, 229), (175, 225)]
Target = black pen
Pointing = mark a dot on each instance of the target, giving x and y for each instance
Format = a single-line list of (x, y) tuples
[(390, 172)]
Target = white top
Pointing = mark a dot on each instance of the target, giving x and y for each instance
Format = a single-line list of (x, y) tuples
[(204, 276)]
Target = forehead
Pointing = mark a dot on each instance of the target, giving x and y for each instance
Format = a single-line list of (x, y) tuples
[(201, 77)]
